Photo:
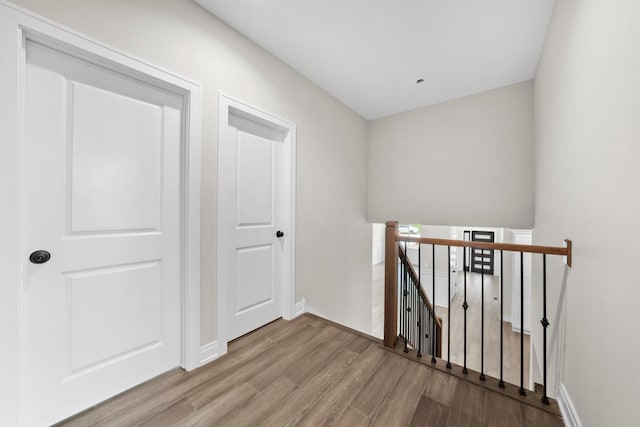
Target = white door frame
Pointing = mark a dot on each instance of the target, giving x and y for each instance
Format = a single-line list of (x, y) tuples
[(16, 25), (288, 308)]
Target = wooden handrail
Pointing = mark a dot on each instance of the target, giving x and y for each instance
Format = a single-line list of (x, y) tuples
[(391, 268), (534, 249)]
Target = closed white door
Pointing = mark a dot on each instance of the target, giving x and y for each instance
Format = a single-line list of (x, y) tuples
[(254, 210), (101, 189)]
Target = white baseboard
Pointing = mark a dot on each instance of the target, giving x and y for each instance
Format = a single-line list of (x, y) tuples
[(299, 309), (208, 352), (569, 413), (506, 319)]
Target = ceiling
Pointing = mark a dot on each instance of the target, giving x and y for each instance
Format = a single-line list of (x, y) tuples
[(370, 53)]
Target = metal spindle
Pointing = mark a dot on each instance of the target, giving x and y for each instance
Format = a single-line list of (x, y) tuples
[(465, 306), (400, 292), (412, 311), (482, 377), (545, 324), (433, 302), (405, 293), (420, 310), (416, 313), (522, 390), (400, 299), (448, 307), (501, 382)]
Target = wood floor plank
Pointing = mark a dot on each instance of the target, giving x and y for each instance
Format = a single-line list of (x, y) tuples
[(262, 403), (172, 415), (532, 417), (338, 381), (379, 386), (501, 411), (213, 412), (429, 413), (318, 358), (293, 409), (262, 333), (351, 417), (331, 405), (441, 387), (222, 384), (106, 409), (294, 356), (358, 344), (400, 405), (467, 406), (140, 406), (301, 322)]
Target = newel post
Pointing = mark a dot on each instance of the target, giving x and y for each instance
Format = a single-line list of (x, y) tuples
[(391, 285)]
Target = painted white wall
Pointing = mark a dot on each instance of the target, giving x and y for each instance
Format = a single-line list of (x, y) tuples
[(377, 242), (587, 128), (333, 271), (466, 161)]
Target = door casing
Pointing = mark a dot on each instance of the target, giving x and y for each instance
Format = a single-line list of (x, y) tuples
[(288, 310), (16, 26)]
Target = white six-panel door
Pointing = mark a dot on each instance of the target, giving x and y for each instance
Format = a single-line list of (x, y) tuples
[(255, 205), (101, 186)]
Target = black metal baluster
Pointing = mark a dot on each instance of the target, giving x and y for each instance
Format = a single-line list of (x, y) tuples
[(405, 294), (400, 292), (412, 312), (545, 324), (433, 302), (522, 390), (482, 377), (412, 299), (465, 306), (448, 307), (415, 315), (501, 382), (420, 300)]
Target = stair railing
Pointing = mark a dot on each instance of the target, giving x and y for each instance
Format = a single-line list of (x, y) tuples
[(404, 294), (420, 328)]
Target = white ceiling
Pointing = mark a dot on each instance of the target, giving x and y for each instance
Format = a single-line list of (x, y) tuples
[(369, 53)]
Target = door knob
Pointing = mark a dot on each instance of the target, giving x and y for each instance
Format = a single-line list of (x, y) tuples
[(40, 257), (279, 234)]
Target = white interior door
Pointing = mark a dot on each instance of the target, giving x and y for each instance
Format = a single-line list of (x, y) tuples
[(101, 185), (254, 220)]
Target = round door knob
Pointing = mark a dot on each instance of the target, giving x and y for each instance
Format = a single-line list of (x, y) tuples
[(279, 234), (39, 257)]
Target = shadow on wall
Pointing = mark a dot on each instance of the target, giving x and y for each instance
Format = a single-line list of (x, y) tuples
[(557, 345)]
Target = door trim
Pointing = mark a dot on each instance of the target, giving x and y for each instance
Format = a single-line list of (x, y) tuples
[(288, 307), (16, 25)]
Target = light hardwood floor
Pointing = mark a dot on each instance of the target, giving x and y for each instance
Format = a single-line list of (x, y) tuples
[(511, 362), (310, 372), (511, 340)]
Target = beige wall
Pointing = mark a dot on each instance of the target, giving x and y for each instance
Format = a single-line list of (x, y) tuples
[(333, 253), (587, 139), (466, 161)]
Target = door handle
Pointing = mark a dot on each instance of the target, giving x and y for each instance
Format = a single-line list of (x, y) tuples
[(279, 234), (39, 257)]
